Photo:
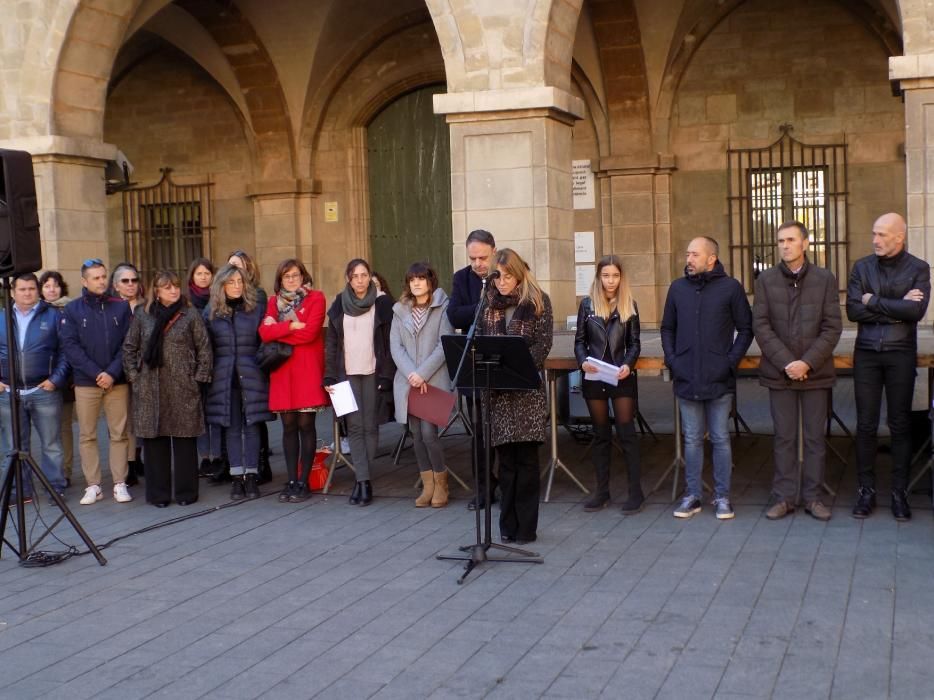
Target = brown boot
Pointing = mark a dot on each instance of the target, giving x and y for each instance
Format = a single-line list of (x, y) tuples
[(428, 489), (440, 497)]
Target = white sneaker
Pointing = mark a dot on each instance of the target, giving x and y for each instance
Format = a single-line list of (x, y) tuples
[(121, 494), (345, 446), (92, 494)]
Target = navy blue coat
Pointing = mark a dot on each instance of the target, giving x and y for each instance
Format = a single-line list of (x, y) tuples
[(465, 295), (706, 331), (235, 340), (92, 332), (42, 356)]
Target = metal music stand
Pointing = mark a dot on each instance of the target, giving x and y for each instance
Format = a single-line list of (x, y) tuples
[(19, 463), (503, 363)]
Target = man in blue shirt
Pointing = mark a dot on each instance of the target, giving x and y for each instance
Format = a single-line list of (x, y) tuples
[(41, 371)]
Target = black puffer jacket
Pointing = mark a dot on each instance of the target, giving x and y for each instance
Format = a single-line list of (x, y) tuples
[(235, 341), (797, 317), (706, 331), (595, 335), (888, 321)]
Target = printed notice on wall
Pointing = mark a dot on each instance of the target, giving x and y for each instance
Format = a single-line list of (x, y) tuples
[(583, 278), (582, 184), (583, 247), (330, 212)]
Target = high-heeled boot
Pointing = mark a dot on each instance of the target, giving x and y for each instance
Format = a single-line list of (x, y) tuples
[(600, 454), (630, 444)]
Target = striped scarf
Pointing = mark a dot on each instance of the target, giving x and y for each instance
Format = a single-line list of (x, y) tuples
[(419, 316)]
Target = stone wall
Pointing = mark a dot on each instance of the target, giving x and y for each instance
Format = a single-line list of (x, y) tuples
[(168, 113), (807, 63)]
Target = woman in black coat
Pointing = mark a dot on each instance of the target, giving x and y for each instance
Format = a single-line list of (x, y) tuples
[(238, 398), (608, 330), (200, 274), (357, 350)]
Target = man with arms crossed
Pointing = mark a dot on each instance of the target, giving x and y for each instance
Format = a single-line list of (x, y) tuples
[(887, 295), (796, 318), (704, 310)]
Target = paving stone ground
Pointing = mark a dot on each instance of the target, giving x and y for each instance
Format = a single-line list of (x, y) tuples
[(321, 599)]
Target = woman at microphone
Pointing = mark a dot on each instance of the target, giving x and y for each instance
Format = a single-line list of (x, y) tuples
[(516, 305), (608, 330)]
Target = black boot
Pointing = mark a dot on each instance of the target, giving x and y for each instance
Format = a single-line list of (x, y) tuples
[(221, 473), (354, 499), (251, 486), (600, 455), (900, 508), (630, 443), (140, 467), (237, 491), (865, 502), (205, 469), (265, 470), (131, 479), (366, 493)]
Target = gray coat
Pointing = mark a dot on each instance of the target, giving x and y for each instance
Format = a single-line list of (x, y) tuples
[(422, 353), (167, 400)]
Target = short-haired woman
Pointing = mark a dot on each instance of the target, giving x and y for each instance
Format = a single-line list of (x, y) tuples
[(608, 330), (238, 398), (166, 357), (516, 305), (357, 350), (419, 320), (54, 291), (295, 316), (127, 284)]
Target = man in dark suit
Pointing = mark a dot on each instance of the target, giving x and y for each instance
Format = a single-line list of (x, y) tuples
[(465, 296)]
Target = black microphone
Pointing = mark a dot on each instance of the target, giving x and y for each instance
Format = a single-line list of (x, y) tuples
[(492, 276)]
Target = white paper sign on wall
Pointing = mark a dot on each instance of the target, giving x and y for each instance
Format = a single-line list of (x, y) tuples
[(583, 278), (584, 247), (582, 184)]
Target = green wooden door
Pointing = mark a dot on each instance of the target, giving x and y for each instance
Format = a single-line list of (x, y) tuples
[(409, 163)]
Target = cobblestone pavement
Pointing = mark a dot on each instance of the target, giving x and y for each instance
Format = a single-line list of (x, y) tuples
[(322, 599)]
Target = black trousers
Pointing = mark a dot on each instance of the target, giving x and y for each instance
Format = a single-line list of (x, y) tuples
[(520, 486), (159, 461), (895, 371)]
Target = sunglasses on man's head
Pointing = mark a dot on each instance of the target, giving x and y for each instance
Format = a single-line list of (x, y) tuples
[(92, 262)]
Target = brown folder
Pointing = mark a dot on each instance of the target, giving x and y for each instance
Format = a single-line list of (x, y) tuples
[(433, 406)]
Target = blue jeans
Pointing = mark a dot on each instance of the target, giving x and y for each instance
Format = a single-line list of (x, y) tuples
[(711, 416), (42, 409), (209, 442), (242, 439)]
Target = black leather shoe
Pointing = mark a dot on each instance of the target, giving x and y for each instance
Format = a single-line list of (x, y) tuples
[(366, 493), (161, 504), (526, 539), (131, 479), (476, 502), (900, 508), (237, 492), (205, 469), (187, 501), (251, 486), (507, 539), (598, 501), (221, 472), (865, 502), (354, 499)]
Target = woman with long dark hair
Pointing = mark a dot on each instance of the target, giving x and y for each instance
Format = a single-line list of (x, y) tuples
[(166, 357), (608, 330), (419, 319), (516, 305), (295, 315), (238, 397), (357, 350)]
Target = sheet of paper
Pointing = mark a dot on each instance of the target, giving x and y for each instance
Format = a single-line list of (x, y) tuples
[(342, 399), (584, 251), (606, 372), (583, 278)]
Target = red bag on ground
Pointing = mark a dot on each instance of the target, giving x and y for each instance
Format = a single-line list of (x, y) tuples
[(318, 474)]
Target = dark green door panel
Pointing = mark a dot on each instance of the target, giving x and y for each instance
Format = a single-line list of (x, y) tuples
[(409, 165)]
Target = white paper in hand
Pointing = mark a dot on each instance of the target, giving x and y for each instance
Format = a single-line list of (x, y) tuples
[(606, 373), (342, 399)]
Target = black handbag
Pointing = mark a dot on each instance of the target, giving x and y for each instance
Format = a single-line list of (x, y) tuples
[(271, 356)]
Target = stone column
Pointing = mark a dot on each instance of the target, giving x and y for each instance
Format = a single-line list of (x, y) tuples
[(637, 226), (916, 79), (72, 200), (511, 175), (282, 226)]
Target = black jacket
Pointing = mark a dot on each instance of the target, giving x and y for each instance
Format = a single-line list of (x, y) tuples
[(465, 295), (235, 340), (594, 336), (797, 317), (702, 315), (888, 321), (334, 344)]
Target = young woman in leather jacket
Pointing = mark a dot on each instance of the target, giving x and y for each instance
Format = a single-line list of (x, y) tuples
[(608, 330)]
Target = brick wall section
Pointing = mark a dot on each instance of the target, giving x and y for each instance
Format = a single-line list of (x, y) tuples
[(807, 62)]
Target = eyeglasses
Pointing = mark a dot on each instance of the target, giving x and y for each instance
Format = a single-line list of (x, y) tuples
[(92, 262), (129, 280), (292, 276)]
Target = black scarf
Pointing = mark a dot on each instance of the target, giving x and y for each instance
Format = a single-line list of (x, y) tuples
[(162, 314), (353, 305)]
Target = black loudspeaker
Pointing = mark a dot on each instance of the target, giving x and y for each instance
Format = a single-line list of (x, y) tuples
[(20, 249)]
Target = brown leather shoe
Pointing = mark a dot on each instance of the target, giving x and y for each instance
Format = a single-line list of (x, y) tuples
[(818, 510), (779, 510)]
